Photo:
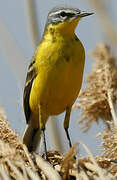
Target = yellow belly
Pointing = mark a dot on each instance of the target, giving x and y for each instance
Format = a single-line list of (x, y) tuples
[(59, 77)]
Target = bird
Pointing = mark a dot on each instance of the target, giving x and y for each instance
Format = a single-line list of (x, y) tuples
[(55, 74)]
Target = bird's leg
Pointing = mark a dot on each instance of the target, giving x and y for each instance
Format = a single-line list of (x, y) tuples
[(66, 124), (42, 127), (45, 147)]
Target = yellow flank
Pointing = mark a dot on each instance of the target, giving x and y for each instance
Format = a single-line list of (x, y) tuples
[(59, 67)]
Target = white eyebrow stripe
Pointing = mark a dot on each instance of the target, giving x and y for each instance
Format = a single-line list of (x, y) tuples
[(56, 12), (65, 10)]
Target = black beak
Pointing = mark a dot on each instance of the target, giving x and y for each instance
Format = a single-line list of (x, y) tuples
[(83, 14)]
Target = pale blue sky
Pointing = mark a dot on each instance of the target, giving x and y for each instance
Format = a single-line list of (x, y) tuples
[(13, 16)]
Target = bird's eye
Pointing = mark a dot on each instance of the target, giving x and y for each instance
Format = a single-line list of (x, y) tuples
[(63, 14)]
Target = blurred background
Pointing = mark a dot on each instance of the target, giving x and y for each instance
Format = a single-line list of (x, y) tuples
[(21, 27)]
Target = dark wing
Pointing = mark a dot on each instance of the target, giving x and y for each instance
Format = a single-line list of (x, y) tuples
[(31, 75)]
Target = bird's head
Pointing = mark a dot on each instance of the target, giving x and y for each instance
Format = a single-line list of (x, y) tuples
[(65, 18)]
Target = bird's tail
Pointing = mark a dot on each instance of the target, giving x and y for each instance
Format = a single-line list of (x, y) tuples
[(31, 137)]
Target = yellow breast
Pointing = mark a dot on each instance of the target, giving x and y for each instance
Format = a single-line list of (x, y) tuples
[(60, 67)]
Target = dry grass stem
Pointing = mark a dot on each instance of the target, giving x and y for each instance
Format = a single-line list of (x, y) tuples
[(96, 167), (28, 156), (31, 21), (68, 163), (97, 100), (112, 109), (48, 170)]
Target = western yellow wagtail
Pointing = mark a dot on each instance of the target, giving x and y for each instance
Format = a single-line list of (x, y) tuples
[(55, 74)]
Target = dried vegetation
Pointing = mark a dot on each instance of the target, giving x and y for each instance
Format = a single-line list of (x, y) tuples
[(97, 100)]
